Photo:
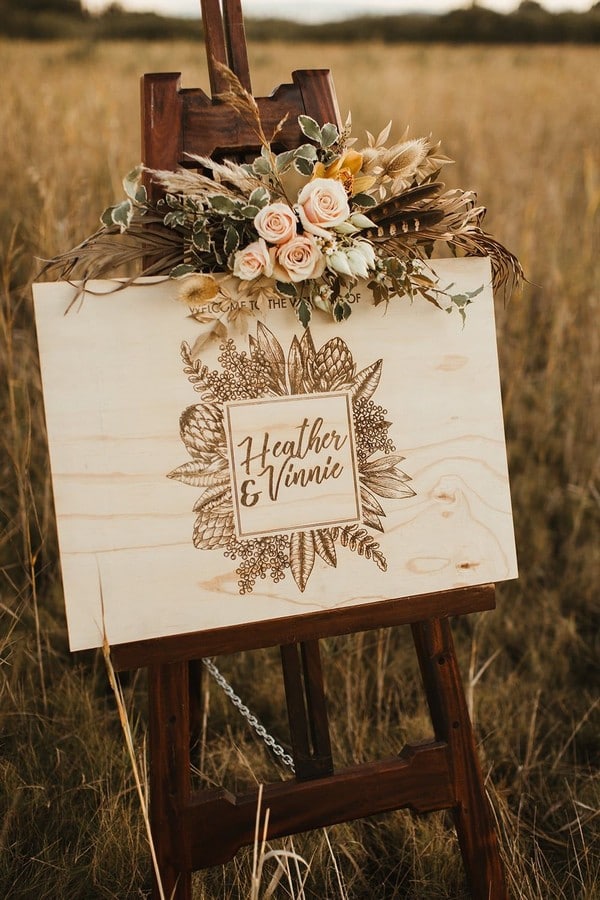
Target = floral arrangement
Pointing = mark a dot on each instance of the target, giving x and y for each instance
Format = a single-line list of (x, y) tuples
[(307, 223)]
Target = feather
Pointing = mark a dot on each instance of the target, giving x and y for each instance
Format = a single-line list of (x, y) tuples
[(407, 222), (387, 211)]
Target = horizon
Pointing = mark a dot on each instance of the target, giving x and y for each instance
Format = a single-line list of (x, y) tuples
[(316, 11)]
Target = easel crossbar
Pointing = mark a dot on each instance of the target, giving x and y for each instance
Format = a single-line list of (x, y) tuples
[(216, 824), (308, 627)]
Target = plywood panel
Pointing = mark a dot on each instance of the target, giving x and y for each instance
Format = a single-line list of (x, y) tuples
[(376, 449)]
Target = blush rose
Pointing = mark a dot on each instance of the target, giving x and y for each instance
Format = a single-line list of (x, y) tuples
[(322, 204), (252, 261), (299, 259), (276, 223)]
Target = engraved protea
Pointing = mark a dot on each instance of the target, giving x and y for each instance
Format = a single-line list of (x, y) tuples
[(334, 367), (203, 432), (268, 372)]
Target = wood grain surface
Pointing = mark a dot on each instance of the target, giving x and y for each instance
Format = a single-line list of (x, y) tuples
[(114, 391)]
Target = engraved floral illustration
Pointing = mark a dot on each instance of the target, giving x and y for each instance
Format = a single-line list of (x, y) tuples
[(266, 371)]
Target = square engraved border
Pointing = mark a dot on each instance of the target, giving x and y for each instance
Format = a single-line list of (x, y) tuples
[(284, 529)]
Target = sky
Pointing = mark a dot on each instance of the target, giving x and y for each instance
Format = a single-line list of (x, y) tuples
[(324, 10)]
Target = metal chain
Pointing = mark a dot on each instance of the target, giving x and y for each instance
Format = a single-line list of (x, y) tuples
[(261, 731)]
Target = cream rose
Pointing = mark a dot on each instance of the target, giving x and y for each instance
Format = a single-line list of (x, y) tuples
[(252, 261), (299, 259), (276, 223), (322, 204)]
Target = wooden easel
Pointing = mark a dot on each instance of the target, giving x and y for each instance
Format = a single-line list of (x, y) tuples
[(196, 830)]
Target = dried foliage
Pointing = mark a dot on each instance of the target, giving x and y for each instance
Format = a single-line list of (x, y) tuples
[(374, 214)]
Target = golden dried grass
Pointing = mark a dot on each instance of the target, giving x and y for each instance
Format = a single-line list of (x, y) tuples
[(523, 125)]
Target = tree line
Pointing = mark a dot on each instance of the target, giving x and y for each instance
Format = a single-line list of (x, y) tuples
[(529, 23)]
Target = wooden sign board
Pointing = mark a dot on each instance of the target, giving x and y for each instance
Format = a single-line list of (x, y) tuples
[(284, 472)]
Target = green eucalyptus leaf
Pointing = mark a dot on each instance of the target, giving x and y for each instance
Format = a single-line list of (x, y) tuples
[(261, 166), (364, 200), (259, 197), (306, 151), (122, 214), (174, 218), (181, 269), (329, 134), (131, 182), (303, 166), (310, 128), (284, 160), (107, 216), (341, 310), (201, 241), (303, 313), (222, 204), (289, 290), (232, 240)]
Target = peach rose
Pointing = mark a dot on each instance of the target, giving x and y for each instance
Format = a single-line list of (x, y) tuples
[(276, 223), (252, 261), (322, 204), (299, 259)]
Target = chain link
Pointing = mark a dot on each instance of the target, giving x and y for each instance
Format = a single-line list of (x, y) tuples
[(261, 731)]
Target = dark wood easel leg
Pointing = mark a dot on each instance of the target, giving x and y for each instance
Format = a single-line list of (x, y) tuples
[(196, 676), (451, 722), (170, 781), (307, 709)]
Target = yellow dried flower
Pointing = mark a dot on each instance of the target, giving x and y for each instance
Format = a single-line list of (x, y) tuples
[(196, 290), (346, 169)]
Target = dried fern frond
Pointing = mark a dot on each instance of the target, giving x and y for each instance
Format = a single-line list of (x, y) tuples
[(108, 250)]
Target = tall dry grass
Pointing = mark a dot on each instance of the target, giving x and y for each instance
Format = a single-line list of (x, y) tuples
[(523, 125)]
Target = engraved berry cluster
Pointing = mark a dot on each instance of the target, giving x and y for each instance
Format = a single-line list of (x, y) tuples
[(242, 377), (259, 557), (371, 429)]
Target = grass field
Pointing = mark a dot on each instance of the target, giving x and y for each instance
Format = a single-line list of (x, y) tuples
[(523, 124)]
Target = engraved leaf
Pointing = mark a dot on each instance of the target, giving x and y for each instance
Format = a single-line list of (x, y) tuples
[(309, 354), (367, 381), (371, 509), (270, 346), (295, 367), (195, 474), (302, 556), (392, 485), (213, 529), (381, 464), (372, 520), (325, 546), (360, 541), (213, 497), (383, 477)]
